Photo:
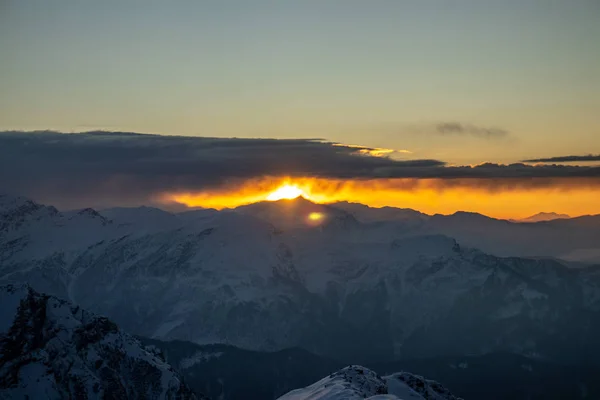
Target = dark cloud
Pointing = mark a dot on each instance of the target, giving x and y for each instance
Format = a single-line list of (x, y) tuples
[(588, 158), (455, 128), (101, 168)]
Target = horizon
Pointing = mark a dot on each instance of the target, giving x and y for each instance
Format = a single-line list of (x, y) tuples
[(488, 108), (175, 209), (103, 169)]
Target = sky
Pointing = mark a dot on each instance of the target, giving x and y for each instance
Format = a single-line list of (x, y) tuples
[(464, 81)]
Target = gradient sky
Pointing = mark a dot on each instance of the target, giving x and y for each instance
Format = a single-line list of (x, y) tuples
[(379, 73)]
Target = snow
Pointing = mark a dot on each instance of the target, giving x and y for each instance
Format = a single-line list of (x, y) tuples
[(356, 382), (246, 278), (199, 357), (353, 382), (63, 363), (402, 390)]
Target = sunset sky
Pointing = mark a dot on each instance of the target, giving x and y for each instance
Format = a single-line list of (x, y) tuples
[(459, 82)]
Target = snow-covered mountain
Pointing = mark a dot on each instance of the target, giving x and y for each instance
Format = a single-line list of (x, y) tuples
[(544, 235), (559, 238), (268, 277), (356, 382), (142, 218), (380, 214), (52, 349), (300, 213)]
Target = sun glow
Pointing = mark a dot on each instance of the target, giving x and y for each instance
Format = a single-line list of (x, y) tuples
[(501, 199), (315, 216), (286, 191)]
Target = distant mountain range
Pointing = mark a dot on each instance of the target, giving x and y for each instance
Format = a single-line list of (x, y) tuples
[(573, 239), (540, 217)]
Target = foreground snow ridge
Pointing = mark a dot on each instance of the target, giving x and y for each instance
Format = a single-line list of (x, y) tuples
[(356, 382), (51, 349)]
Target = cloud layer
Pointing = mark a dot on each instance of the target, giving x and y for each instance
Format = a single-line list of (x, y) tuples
[(588, 158), (456, 128), (128, 168)]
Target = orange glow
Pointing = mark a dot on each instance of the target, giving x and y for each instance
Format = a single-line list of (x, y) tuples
[(315, 216), (506, 198), (373, 151), (286, 192)]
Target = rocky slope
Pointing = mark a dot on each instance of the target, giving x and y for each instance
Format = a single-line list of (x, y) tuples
[(51, 349)]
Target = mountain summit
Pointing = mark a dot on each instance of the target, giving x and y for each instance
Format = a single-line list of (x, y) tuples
[(357, 383), (543, 216)]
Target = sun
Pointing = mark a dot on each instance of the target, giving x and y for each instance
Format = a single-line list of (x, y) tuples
[(315, 216), (286, 192)]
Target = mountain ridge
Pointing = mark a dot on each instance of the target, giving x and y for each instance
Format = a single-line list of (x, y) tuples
[(370, 291), (53, 349), (542, 216)]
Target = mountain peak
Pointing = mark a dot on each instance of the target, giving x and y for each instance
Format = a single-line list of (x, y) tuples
[(298, 212), (53, 349), (357, 382), (8, 203), (367, 214), (17, 210), (544, 216)]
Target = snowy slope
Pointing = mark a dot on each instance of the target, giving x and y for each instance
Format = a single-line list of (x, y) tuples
[(557, 238), (262, 278), (356, 382), (383, 214), (51, 349), (295, 214), (142, 218)]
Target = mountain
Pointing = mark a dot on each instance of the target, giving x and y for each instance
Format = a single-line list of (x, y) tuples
[(300, 213), (499, 376), (142, 218), (50, 348), (357, 382), (571, 239), (540, 217), (228, 373), (560, 238), (264, 278), (368, 214)]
